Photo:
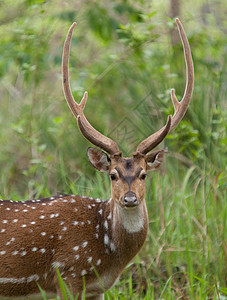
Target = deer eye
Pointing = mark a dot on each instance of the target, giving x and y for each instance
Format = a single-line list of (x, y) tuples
[(113, 177), (143, 176)]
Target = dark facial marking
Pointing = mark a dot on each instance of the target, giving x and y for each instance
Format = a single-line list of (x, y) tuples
[(129, 179), (128, 164)]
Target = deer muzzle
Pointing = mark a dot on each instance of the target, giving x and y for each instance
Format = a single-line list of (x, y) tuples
[(130, 199)]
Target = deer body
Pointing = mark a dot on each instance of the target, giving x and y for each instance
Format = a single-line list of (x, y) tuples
[(79, 238), (90, 241)]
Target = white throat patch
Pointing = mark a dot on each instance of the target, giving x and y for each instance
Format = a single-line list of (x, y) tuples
[(132, 219)]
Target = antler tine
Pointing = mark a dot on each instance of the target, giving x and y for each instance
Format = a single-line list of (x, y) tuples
[(89, 132), (179, 107), (76, 108)]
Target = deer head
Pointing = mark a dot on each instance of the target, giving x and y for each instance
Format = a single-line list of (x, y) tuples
[(127, 174)]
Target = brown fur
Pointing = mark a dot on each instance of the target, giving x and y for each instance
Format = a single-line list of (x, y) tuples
[(79, 235)]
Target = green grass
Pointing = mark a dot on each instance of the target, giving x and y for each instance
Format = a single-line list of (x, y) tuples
[(128, 64)]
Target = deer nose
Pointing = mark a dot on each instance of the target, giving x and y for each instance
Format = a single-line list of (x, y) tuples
[(130, 199)]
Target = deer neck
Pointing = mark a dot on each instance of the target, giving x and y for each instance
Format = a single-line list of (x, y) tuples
[(129, 227)]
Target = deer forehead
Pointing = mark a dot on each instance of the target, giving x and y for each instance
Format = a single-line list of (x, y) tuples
[(128, 166)]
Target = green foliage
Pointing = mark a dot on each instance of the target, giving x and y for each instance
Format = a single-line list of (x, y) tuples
[(122, 54)]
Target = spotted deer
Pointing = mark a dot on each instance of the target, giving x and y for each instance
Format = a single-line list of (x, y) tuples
[(90, 241)]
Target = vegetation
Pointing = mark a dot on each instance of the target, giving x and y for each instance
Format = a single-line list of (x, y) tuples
[(123, 54)]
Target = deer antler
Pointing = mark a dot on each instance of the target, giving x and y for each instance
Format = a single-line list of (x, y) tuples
[(179, 107), (105, 143), (90, 133)]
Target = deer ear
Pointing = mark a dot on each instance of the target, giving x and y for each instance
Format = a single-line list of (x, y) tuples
[(154, 159), (99, 159)]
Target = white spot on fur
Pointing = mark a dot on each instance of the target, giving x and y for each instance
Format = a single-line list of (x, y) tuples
[(98, 262), (112, 247), (19, 280), (83, 272), (84, 244), (10, 241), (106, 239), (57, 264), (33, 278), (106, 225)]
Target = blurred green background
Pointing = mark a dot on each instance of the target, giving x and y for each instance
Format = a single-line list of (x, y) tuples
[(128, 56)]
